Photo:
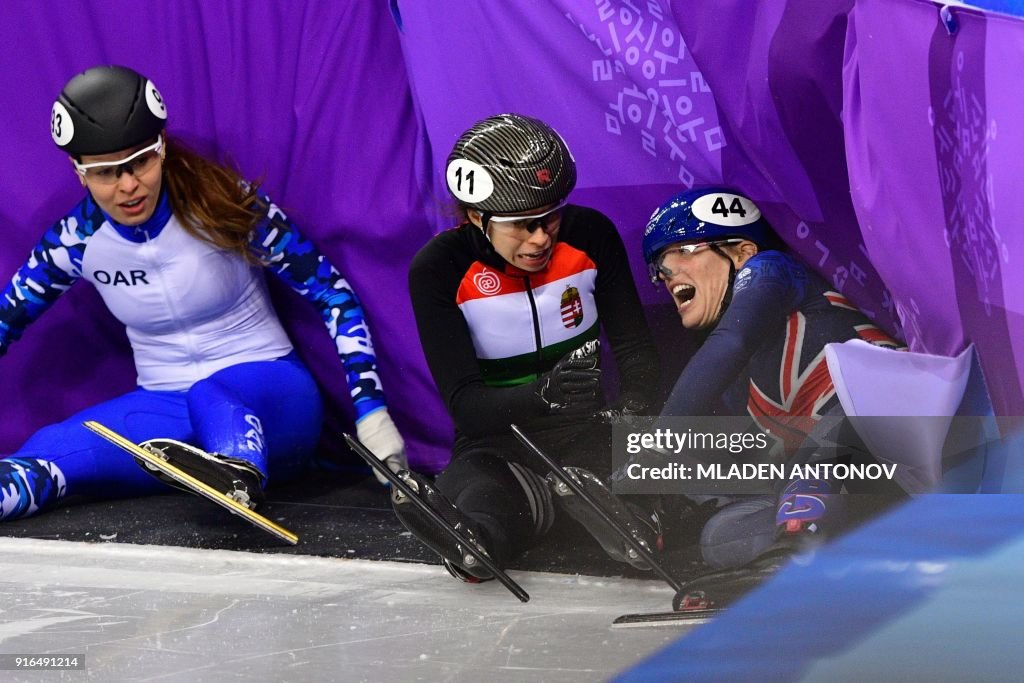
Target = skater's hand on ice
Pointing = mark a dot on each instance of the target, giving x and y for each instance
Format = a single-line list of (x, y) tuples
[(574, 384), (379, 434)]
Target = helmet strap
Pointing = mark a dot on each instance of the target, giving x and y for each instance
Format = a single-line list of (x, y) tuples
[(485, 218), (727, 299)]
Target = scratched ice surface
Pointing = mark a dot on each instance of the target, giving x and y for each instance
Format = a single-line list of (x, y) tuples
[(149, 613)]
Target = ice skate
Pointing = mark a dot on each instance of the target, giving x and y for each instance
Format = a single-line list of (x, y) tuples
[(645, 529), (238, 479), (233, 485), (457, 560)]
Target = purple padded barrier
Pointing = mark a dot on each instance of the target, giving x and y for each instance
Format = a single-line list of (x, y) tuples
[(310, 96), (934, 155), (614, 78), (315, 98), (776, 69)]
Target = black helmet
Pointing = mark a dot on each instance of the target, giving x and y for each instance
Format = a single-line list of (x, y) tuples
[(509, 164), (106, 109)]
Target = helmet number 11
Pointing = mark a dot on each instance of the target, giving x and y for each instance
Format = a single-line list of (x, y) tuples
[(469, 180)]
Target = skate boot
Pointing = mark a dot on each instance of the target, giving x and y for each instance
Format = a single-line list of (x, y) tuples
[(809, 507), (234, 477), (645, 528), (460, 563)]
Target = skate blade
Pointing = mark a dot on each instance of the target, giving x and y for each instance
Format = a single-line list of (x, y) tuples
[(557, 471), (676, 619), (193, 484), (366, 454)]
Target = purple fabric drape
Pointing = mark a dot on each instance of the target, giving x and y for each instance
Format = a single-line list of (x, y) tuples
[(882, 148), (934, 152), (614, 78)]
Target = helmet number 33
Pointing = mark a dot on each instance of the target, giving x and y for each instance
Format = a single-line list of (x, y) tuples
[(61, 126)]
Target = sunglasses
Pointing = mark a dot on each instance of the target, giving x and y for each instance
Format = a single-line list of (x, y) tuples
[(137, 163), (548, 221), (658, 269)]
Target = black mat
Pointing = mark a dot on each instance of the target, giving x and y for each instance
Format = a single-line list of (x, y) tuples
[(335, 514)]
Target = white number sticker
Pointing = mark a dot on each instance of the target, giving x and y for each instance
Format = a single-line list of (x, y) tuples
[(61, 127), (469, 181), (730, 210), (154, 101)]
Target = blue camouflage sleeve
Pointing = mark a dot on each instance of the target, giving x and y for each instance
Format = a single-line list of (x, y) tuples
[(292, 257), (53, 266)]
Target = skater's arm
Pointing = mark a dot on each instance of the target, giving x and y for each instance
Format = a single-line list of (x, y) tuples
[(291, 256), (622, 317), (53, 266), (768, 288), (477, 408)]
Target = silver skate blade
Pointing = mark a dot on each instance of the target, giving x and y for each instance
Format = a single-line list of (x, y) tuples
[(569, 481), (399, 484)]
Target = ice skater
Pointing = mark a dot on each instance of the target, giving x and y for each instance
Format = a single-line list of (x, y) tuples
[(176, 245), (509, 306), (766, 319)]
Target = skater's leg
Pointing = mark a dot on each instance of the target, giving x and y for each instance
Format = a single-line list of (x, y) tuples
[(803, 510), (584, 451), (501, 507), (266, 413), (739, 532), (67, 459), (508, 501), (28, 486)]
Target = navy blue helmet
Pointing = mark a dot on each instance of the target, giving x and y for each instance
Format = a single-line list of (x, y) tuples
[(707, 214)]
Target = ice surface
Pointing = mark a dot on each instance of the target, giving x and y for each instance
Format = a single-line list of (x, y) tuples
[(155, 613)]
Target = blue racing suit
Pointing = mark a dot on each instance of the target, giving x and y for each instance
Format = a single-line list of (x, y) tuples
[(215, 367), (766, 358)]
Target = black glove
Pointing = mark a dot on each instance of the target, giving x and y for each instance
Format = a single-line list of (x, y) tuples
[(628, 405), (574, 385)]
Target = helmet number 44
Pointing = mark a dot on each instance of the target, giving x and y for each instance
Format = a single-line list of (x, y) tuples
[(725, 209), (735, 207)]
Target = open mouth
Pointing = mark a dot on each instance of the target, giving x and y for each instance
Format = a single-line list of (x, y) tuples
[(535, 256), (683, 294), (133, 203)]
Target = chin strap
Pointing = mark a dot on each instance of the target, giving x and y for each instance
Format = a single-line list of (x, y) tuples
[(485, 218), (727, 299)]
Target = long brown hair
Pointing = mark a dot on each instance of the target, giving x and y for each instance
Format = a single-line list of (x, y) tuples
[(212, 201)]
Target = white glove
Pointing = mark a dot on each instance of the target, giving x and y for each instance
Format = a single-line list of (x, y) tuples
[(378, 433)]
